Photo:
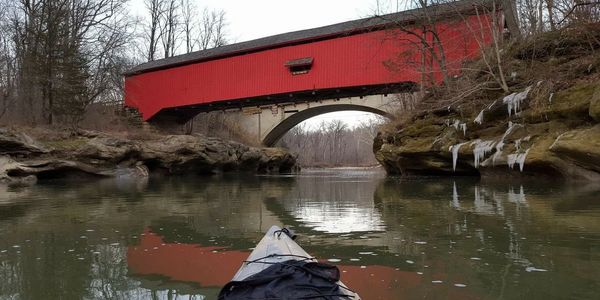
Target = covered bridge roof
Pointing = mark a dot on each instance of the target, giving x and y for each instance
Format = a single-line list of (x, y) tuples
[(309, 35)]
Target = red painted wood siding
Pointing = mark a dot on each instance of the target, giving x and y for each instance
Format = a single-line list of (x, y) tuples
[(347, 61)]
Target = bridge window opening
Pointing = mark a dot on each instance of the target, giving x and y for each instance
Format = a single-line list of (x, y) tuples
[(300, 66)]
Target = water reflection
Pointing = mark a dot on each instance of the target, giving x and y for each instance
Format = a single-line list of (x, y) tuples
[(184, 238), (331, 203)]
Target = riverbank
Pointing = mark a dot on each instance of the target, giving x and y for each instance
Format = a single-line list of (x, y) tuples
[(546, 125), (31, 154)]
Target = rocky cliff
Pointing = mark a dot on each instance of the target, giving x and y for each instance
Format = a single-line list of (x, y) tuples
[(548, 125), (562, 140), (92, 154)]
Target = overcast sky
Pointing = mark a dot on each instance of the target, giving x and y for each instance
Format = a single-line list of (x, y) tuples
[(249, 20)]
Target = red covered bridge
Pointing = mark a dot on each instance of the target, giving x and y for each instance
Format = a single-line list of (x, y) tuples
[(343, 63)]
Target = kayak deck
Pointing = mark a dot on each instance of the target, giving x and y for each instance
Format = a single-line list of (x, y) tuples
[(277, 247), (274, 247)]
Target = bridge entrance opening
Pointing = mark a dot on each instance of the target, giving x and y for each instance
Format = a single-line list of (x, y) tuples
[(337, 139)]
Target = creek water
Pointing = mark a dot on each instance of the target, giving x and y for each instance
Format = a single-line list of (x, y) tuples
[(183, 238)]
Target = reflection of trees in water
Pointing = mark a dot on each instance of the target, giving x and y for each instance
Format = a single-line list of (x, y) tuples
[(35, 271), (109, 273)]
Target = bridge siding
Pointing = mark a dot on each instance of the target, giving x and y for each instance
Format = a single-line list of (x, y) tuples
[(348, 61)]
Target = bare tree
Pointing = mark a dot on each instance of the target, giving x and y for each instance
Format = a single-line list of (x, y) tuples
[(7, 62), (212, 29), (512, 21), (333, 143), (188, 14), (175, 22), (488, 25), (422, 35), (155, 9), (170, 27), (64, 52), (219, 37)]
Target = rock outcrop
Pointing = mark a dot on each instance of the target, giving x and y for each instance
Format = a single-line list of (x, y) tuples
[(557, 136), (24, 160)]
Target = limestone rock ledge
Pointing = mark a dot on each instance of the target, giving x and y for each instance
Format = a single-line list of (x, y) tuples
[(24, 160), (556, 137)]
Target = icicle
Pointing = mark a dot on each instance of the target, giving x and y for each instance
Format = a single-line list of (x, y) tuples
[(460, 126), (456, 124), (521, 160), (482, 148), (511, 159), (454, 149), (517, 158), (510, 128), (521, 140), (498, 152), (479, 119), (514, 100)]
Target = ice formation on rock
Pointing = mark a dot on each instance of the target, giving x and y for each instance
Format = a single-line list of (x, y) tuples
[(498, 152), (514, 101), (519, 141), (454, 149), (456, 124), (481, 149), (459, 126), (517, 158), (479, 118)]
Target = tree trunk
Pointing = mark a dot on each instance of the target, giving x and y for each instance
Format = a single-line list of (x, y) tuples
[(512, 21)]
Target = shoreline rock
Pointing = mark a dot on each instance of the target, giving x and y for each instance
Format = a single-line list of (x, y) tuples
[(24, 160), (559, 139)]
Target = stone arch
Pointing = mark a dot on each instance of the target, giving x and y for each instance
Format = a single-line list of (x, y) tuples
[(288, 123)]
